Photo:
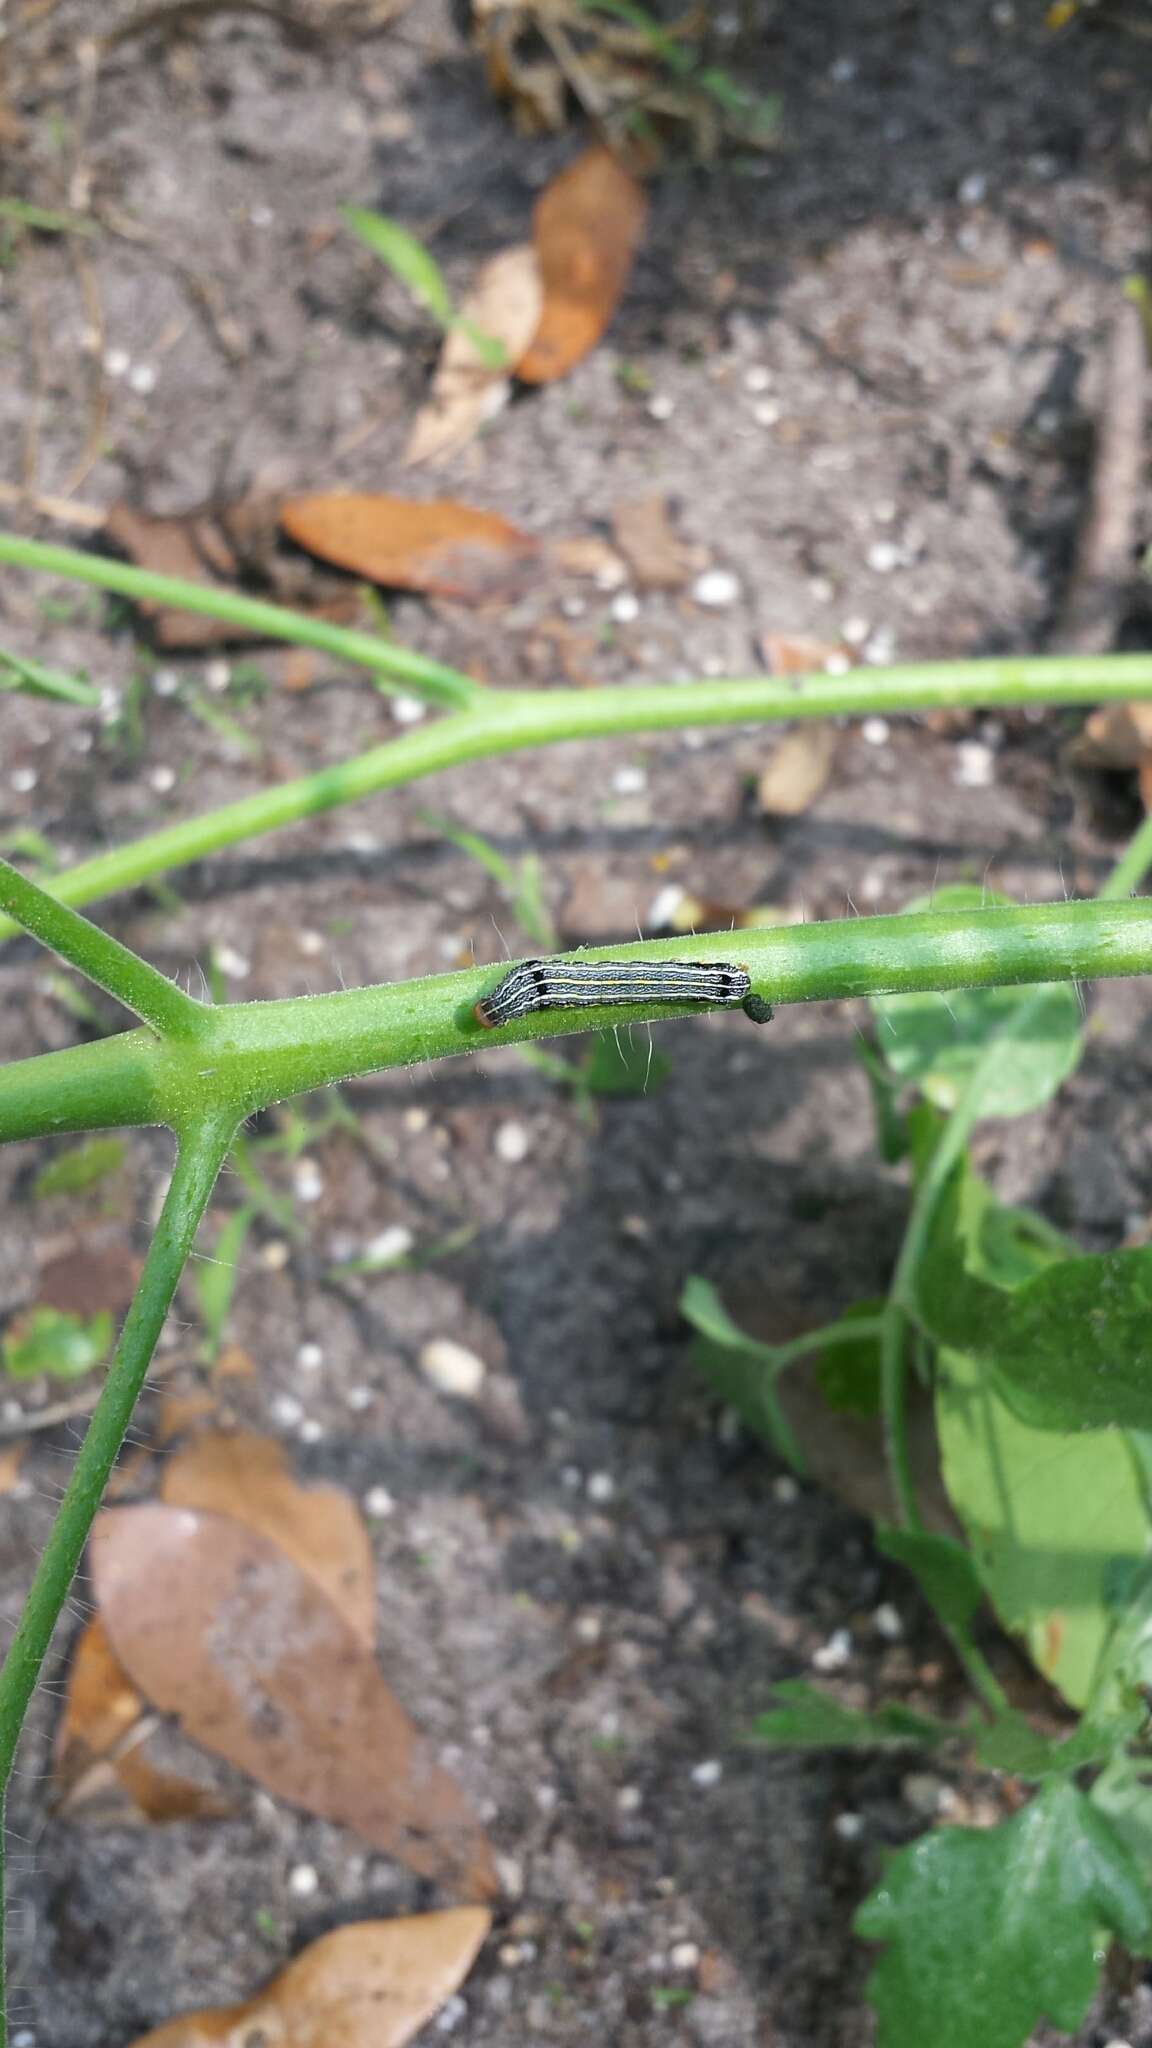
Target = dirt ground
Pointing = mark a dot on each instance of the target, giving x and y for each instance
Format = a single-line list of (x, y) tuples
[(866, 364)]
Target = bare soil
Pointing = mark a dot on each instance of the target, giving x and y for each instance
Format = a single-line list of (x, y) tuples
[(874, 351)]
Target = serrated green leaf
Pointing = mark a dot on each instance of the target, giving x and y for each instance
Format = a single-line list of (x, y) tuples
[(405, 256), (937, 1041), (991, 1930), (79, 1168), (945, 1571), (56, 1342), (1057, 1525), (810, 1719)]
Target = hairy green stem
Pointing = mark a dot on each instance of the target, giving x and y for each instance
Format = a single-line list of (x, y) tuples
[(202, 1150), (111, 966)]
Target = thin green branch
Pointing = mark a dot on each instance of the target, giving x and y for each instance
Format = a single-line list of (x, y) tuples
[(203, 1149), (427, 678), (18, 673), (155, 999)]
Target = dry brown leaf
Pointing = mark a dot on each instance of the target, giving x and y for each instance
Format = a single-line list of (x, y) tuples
[(437, 545), (798, 769), (95, 1748), (371, 1985), (794, 654), (11, 1459), (1115, 736), (657, 557), (504, 304), (587, 227), (233, 1363), (219, 1628), (585, 554), (183, 1411), (318, 1527), (85, 1275)]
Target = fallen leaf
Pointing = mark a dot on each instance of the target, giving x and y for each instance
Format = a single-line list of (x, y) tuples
[(219, 1628), (97, 1752), (587, 555), (1115, 736), (794, 654), (87, 1276), (181, 1413), (657, 557), (587, 227), (503, 308), (439, 546), (224, 546), (799, 767), (373, 1984), (233, 1363), (11, 1459), (247, 1477)]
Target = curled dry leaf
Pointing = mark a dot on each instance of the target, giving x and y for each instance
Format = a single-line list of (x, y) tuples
[(587, 227), (798, 769), (219, 1628), (437, 545), (97, 1755), (318, 1527), (503, 308), (224, 545), (657, 557), (371, 1985)]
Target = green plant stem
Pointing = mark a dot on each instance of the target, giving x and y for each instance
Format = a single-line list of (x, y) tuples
[(253, 1054), (202, 1150), (17, 673), (427, 678), (894, 1411), (121, 973), (1131, 867)]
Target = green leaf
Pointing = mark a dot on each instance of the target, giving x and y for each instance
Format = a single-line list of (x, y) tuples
[(991, 1930), (621, 1064), (1073, 1349), (978, 1252), (807, 1718), (1057, 1525), (737, 1368), (1011, 1745), (79, 1168), (945, 1571), (848, 1372), (1123, 1793), (53, 1341), (406, 258), (215, 1277), (937, 1041)]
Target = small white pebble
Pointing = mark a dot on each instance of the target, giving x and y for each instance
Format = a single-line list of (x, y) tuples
[(358, 1398), (510, 1872), (975, 765), (601, 1487), (854, 631), (309, 1357), (311, 1431), (165, 682), (451, 2013), (661, 406), (973, 189), (275, 1255), (378, 1503), (162, 779), (821, 589), (261, 216), (573, 607), (684, 1955), (311, 942), (757, 378), (218, 675), (629, 1798), (142, 379), (416, 1119), (589, 1628), (287, 1410), (572, 1477), (876, 732), (307, 1180), (25, 2037), (767, 412), (110, 704), (849, 1826), (629, 781), (835, 1654), (409, 710), (23, 780), (887, 1622), (303, 1881), (546, 1797), (452, 1368), (843, 70), (625, 608), (229, 961), (836, 664), (708, 1773), (512, 1143), (510, 1956), (117, 362), (883, 557), (664, 906), (880, 649), (785, 1490), (389, 1245), (715, 589)]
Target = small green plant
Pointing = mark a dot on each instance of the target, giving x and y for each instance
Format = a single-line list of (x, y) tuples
[(415, 266), (1036, 1359), (969, 1272), (53, 1341)]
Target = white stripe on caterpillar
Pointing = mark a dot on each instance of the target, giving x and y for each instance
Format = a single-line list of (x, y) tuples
[(536, 985)]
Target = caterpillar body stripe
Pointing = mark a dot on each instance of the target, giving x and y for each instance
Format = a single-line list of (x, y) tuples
[(535, 985)]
